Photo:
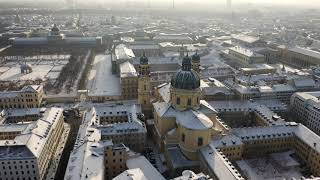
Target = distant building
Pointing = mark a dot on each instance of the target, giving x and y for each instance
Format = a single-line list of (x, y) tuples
[(175, 38), (300, 57), (258, 69), (281, 92), (247, 41), (214, 90), (54, 42), (244, 56), (150, 50), (27, 97)]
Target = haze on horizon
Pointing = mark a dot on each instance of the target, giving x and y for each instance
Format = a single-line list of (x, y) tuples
[(289, 2)]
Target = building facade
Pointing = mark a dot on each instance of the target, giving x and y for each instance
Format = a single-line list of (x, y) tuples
[(305, 105), (218, 158), (299, 57), (27, 97), (29, 148), (245, 57), (121, 123), (128, 81)]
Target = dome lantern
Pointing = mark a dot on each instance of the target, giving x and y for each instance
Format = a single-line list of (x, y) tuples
[(186, 78), (186, 63), (196, 57), (144, 59)]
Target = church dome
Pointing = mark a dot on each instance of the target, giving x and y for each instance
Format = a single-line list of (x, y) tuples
[(196, 57), (186, 78), (55, 29), (144, 59)]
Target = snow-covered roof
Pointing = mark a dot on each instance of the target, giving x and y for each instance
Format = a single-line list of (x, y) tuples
[(131, 174), (169, 37), (127, 70), (130, 110), (25, 89), (307, 52), (36, 137), (191, 119), (16, 128), (224, 169), (304, 82), (189, 175), (145, 166), (194, 120), (245, 52), (144, 46), (219, 164), (245, 38), (122, 52), (87, 161)]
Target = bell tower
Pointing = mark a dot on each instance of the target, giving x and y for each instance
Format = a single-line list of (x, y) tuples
[(144, 86), (196, 62)]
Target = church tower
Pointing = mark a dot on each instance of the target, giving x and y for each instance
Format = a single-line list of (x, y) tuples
[(144, 86), (196, 62)]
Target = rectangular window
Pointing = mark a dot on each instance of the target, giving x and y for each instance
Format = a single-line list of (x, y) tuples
[(200, 141), (183, 137), (178, 100), (189, 102)]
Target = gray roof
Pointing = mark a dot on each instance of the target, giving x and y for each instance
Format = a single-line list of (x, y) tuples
[(219, 164), (35, 137), (307, 52), (191, 119)]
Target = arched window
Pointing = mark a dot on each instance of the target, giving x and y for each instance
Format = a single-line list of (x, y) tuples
[(183, 137)]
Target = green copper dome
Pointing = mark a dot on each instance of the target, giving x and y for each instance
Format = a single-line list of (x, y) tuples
[(196, 57), (186, 78), (144, 60)]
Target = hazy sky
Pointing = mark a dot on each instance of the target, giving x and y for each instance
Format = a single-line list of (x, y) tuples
[(317, 2), (184, 3)]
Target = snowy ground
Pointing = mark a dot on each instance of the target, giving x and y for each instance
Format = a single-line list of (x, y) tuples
[(270, 168), (101, 81), (41, 69)]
